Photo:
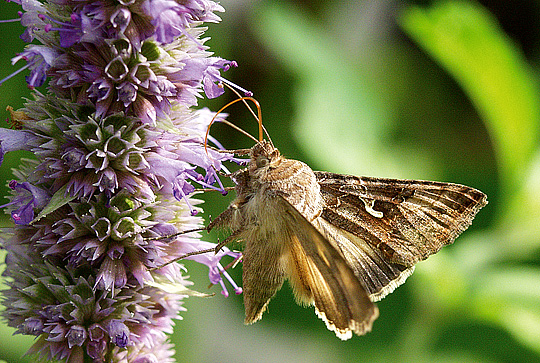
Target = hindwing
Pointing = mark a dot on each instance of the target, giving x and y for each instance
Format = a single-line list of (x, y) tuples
[(320, 275)]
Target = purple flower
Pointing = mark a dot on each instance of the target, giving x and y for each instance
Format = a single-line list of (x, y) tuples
[(119, 152), (39, 59), (209, 68), (76, 336), (173, 164), (32, 326), (11, 140), (185, 243), (120, 19), (30, 18), (216, 270), (28, 197), (76, 319), (172, 18), (74, 30), (119, 333)]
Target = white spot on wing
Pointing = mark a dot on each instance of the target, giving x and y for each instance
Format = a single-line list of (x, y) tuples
[(369, 208)]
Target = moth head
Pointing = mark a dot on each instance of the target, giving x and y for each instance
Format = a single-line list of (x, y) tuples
[(264, 155)]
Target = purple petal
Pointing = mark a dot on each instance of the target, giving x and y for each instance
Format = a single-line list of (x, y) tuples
[(11, 140), (119, 333), (40, 58), (29, 197), (76, 336)]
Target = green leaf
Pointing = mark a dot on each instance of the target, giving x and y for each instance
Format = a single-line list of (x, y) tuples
[(509, 298), (518, 233), (58, 200), (468, 42), (338, 105)]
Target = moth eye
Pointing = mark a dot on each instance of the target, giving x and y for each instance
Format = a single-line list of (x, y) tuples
[(261, 161)]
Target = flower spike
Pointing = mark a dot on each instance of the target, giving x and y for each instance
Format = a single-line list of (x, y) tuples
[(119, 148)]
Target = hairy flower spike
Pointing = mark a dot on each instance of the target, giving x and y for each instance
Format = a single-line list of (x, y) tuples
[(119, 151)]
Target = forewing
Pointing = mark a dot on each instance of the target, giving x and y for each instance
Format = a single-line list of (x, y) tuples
[(378, 275), (320, 274), (406, 220)]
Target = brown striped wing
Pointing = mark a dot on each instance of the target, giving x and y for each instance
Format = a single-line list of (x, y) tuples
[(320, 275), (378, 275), (404, 220)]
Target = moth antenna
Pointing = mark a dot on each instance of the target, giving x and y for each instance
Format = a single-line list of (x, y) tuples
[(258, 118), (239, 129), (234, 126)]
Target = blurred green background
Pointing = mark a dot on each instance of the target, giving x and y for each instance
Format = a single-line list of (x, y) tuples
[(439, 90)]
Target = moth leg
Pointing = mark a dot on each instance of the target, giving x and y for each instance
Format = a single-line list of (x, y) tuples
[(228, 218), (229, 239), (225, 218)]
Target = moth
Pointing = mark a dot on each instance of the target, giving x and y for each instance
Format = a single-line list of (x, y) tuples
[(343, 242)]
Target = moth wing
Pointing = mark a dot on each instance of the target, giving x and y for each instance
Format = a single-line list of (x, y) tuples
[(378, 275), (406, 220), (263, 275), (320, 275)]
